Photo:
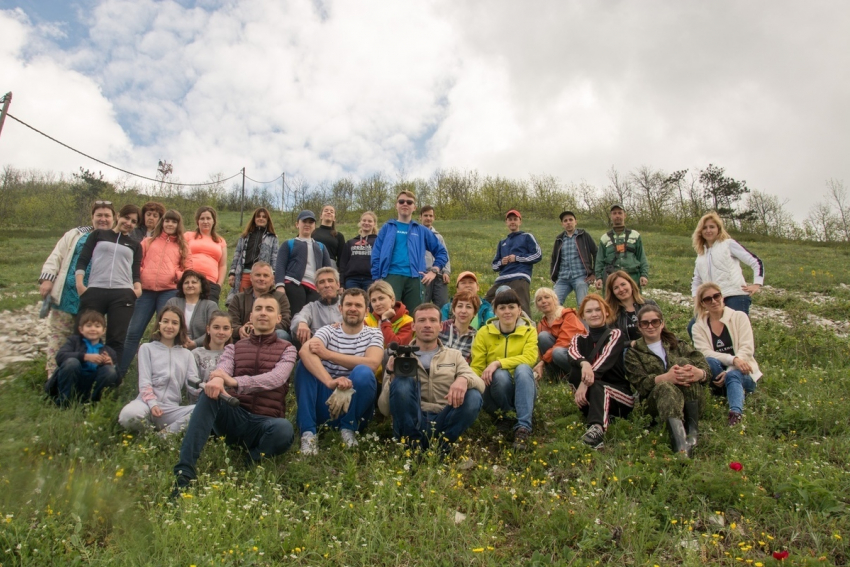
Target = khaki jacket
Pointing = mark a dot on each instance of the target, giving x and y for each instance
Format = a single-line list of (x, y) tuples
[(446, 366)]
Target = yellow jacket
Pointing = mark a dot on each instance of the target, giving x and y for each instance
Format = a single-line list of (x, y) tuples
[(490, 345)]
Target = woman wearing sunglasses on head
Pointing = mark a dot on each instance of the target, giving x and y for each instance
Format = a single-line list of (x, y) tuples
[(725, 337), (670, 375)]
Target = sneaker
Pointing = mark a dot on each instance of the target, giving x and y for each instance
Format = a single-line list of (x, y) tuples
[(309, 444), (521, 436), (594, 437), (181, 485), (348, 438), (734, 418)]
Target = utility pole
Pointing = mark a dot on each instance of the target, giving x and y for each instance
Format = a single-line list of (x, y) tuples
[(6, 100), (165, 169), (283, 192), (242, 205)]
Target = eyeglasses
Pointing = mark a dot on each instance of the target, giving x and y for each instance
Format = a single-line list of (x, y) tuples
[(709, 299), (103, 202), (654, 323), (406, 201)]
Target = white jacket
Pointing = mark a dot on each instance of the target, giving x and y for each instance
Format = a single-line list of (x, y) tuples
[(721, 264), (742, 340), (56, 266)]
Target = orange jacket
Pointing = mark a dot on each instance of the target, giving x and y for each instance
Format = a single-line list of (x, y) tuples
[(161, 269), (399, 331), (563, 329)]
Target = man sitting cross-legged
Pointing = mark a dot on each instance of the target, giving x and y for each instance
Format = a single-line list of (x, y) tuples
[(335, 380), (444, 397), (256, 371)]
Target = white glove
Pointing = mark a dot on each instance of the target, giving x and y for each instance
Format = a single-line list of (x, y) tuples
[(339, 401)]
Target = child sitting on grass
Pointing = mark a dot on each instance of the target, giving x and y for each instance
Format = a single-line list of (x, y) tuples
[(165, 368), (85, 364), (219, 335)]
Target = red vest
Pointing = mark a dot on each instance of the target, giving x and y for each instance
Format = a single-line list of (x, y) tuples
[(259, 354)]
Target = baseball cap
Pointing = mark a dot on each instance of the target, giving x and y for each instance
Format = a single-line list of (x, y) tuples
[(565, 213), (513, 212), (462, 275), (616, 206), (306, 215)]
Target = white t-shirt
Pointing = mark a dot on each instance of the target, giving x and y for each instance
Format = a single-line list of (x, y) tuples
[(187, 313), (336, 340), (658, 348), (310, 270)]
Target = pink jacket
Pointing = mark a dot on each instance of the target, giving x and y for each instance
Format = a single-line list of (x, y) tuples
[(161, 269)]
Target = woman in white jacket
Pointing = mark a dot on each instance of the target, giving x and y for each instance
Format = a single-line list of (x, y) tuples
[(165, 370), (719, 260), (725, 338)]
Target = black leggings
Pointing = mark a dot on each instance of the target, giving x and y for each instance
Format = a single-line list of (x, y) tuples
[(299, 296), (117, 306), (604, 401)]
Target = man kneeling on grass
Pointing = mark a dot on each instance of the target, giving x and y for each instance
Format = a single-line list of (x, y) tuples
[(335, 380), (256, 372), (444, 397)]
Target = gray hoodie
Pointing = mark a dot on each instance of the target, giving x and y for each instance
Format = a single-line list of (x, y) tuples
[(163, 373), (317, 314)]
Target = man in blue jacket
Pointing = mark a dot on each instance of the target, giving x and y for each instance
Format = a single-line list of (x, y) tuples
[(515, 258), (398, 255)]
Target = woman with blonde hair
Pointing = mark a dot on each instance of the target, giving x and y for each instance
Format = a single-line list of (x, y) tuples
[(355, 260), (624, 300), (555, 331), (719, 260), (389, 315), (725, 337), (257, 243)]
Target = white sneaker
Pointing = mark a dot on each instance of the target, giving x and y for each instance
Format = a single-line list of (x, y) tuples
[(348, 437), (309, 444)]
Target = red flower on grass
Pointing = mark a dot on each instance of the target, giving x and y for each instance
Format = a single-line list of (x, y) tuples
[(780, 555), (736, 466)]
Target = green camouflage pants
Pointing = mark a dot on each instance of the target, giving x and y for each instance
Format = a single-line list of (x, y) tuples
[(668, 400)]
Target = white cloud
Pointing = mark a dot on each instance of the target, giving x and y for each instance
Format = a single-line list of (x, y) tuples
[(327, 89)]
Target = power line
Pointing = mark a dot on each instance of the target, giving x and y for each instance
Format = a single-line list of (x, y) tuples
[(265, 182), (118, 168)]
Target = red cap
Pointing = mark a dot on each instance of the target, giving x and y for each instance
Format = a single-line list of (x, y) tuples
[(513, 212)]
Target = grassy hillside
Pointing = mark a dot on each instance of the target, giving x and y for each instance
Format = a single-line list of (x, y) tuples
[(79, 490)]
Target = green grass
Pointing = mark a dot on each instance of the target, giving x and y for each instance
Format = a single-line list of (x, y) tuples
[(77, 490)]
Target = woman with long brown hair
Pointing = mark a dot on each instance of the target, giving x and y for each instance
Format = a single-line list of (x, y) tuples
[(625, 300), (209, 250), (328, 235), (257, 243), (165, 256)]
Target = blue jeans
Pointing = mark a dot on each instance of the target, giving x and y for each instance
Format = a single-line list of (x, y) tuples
[(75, 381), (734, 302), (360, 283), (311, 395), (737, 384), (560, 356), (418, 426), (261, 435), (517, 392), (147, 305), (564, 286)]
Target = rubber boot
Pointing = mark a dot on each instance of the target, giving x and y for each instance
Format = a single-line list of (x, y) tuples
[(678, 441), (692, 424)]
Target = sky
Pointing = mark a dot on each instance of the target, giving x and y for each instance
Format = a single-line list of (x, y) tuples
[(323, 89)]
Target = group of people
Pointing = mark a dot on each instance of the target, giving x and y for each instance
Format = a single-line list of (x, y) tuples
[(334, 314)]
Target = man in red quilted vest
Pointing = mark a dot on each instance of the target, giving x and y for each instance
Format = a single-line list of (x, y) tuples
[(255, 371)]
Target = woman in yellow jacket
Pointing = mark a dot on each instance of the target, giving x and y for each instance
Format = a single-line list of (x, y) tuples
[(503, 354)]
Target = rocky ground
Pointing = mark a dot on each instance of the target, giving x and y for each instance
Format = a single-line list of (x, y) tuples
[(24, 336)]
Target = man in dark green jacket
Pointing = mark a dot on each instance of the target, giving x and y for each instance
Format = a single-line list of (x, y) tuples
[(621, 248)]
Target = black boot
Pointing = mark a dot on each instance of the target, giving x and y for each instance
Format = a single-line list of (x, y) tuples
[(692, 424), (678, 442)]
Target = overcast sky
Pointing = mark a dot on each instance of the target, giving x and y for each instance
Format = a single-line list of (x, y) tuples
[(334, 88)]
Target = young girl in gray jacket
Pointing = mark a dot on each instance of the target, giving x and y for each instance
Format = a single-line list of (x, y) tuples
[(165, 368)]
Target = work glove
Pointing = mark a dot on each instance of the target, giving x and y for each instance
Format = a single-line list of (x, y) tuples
[(339, 401)]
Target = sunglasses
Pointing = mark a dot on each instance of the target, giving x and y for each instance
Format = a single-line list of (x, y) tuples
[(709, 299), (103, 202), (654, 323), (406, 201)]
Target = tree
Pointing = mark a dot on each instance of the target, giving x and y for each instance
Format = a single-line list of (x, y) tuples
[(654, 191), (837, 195), (373, 193), (342, 197), (619, 188), (768, 216), (724, 192), (90, 187), (821, 223)]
